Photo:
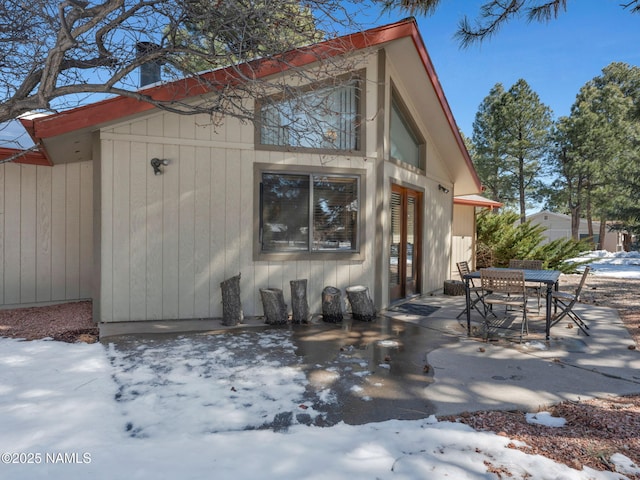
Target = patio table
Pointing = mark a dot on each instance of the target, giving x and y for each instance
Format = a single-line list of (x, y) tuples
[(548, 277)]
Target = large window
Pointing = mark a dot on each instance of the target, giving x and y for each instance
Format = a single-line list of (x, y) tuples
[(321, 118), (309, 212), (406, 144)]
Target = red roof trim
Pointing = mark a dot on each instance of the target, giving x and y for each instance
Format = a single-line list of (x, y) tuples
[(115, 108), (444, 104), (29, 158), (477, 202), (118, 107)]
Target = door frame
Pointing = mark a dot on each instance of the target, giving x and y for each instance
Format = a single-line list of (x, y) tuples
[(407, 289)]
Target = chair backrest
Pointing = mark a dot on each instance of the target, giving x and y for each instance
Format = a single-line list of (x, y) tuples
[(582, 282), (503, 281), (463, 269), (525, 264)]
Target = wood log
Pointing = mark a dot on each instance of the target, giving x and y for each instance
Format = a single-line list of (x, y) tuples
[(299, 304), (231, 304), (332, 305), (275, 310), (362, 307), (454, 287)]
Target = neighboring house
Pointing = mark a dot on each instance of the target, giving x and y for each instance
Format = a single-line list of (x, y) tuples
[(370, 203), (558, 225)]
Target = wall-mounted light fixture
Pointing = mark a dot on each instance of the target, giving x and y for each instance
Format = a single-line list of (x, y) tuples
[(156, 163), (443, 188)]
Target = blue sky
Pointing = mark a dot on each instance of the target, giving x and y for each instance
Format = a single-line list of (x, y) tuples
[(555, 58)]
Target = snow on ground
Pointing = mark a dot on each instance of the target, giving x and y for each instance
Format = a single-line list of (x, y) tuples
[(608, 264), (180, 410), (71, 411)]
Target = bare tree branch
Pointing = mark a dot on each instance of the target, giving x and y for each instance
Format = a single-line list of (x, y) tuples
[(51, 52)]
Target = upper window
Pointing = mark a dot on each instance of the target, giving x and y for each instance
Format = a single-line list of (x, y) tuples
[(322, 118), (309, 212), (406, 143)]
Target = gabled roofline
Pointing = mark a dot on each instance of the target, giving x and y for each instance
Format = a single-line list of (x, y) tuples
[(116, 108)]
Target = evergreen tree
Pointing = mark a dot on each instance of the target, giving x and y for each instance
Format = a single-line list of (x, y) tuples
[(488, 155), (511, 136), (214, 33), (598, 148)]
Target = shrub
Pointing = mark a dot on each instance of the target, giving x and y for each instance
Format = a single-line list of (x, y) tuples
[(501, 237)]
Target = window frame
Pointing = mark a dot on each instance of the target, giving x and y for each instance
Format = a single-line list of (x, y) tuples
[(340, 80), (411, 124), (352, 255)]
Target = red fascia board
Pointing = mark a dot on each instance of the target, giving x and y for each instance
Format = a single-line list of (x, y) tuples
[(116, 108), (477, 203), (28, 158)]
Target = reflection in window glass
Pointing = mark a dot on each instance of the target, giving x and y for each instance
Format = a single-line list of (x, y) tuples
[(306, 212), (326, 118), (285, 212), (405, 145), (335, 213)]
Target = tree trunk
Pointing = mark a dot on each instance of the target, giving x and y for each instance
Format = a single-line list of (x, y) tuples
[(361, 304), (231, 304), (299, 304), (575, 223), (275, 310), (522, 191), (589, 217), (602, 232), (332, 305)]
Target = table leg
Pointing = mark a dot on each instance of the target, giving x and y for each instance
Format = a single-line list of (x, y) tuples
[(467, 294), (548, 312)]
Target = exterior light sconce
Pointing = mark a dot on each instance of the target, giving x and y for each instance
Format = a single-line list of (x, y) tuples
[(156, 163), (442, 188)]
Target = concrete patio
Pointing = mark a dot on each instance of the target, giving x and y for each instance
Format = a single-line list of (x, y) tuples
[(414, 363)]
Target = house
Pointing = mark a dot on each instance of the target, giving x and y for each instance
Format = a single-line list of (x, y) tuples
[(146, 212), (558, 226)]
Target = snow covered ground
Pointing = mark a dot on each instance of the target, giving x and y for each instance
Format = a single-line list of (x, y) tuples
[(178, 410), (608, 264)]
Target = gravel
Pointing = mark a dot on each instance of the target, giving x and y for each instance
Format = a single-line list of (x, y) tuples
[(67, 322)]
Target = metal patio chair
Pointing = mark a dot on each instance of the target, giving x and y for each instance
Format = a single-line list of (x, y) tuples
[(505, 287), (463, 269), (529, 265), (566, 301)]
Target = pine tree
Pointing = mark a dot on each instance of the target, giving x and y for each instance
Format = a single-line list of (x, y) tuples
[(511, 135)]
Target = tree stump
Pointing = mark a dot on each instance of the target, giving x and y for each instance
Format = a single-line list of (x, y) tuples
[(299, 304), (454, 287), (331, 305), (362, 307), (231, 304), (275, 310)]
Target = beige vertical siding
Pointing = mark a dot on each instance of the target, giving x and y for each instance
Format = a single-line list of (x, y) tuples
[(168, 241), (46, 233), (462, 247)]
